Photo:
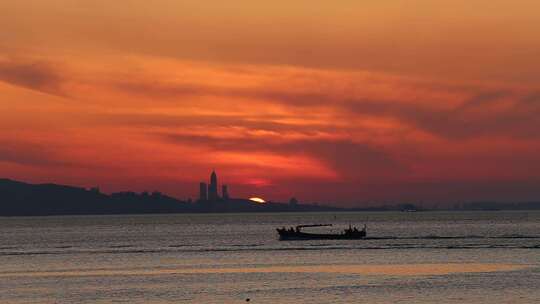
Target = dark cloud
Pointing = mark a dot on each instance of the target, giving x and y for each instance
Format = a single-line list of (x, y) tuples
[(476, 118), (39, 76), (26, 154), (473, 118), (349, 159), (37, 155)]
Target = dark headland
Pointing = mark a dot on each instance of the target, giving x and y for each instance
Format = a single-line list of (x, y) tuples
[(24, 199)]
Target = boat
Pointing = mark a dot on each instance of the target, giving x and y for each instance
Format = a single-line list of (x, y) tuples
[(296, 233)]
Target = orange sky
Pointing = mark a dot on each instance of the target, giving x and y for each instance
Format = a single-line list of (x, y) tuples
[(346, 102)]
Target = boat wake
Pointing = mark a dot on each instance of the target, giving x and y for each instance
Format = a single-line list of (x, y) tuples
[(459, 237), (370, 243)]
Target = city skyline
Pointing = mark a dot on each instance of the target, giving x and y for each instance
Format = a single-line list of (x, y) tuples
[(363, 101), (209, 192)]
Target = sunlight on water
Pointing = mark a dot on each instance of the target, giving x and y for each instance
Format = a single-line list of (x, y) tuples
[(432, 257), (390, 270)]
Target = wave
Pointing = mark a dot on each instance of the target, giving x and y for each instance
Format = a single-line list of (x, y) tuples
[(517, 236), (370, 243), (458, 237), (121, 246), (183, 245), (251, 248)]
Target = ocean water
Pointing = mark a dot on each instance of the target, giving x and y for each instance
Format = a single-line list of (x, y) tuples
[(422, 257)]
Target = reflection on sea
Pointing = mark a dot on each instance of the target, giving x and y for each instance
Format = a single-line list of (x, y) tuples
[(432, 257), (389, 270)]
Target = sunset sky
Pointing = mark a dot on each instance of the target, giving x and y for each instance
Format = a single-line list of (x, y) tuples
[(331, 101)]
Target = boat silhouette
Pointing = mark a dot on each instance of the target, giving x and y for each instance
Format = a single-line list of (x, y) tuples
[(296, 233)]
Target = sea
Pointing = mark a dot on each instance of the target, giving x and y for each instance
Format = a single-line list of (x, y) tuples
[(408, 257)]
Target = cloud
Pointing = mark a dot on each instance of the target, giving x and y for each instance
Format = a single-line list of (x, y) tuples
[(35, 75), (280, 124), (28, 154), (349, 159), (289, 126), (510, 114), (51, 155), (444, 109)]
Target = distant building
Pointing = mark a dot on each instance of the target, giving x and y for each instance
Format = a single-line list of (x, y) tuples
[(213, 188), (224, 192), (209, 192), (203, 192)]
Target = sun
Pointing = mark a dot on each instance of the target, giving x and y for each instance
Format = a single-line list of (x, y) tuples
[(257, 200)]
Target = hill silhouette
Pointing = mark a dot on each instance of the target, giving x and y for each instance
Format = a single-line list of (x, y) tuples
[(23, 199)]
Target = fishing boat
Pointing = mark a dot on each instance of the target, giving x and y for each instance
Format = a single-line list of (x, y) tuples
[(296, 233)]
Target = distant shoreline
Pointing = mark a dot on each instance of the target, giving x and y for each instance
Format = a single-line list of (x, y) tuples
[(258, 212), (24, 199)]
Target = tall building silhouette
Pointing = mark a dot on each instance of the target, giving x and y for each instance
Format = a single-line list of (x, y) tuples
[(224, 192), (203, 192), (209, 192), (213, 187)]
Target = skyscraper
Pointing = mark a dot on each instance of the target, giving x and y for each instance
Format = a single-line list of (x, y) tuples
[(203, 192), (213, 187), (224, 192)]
